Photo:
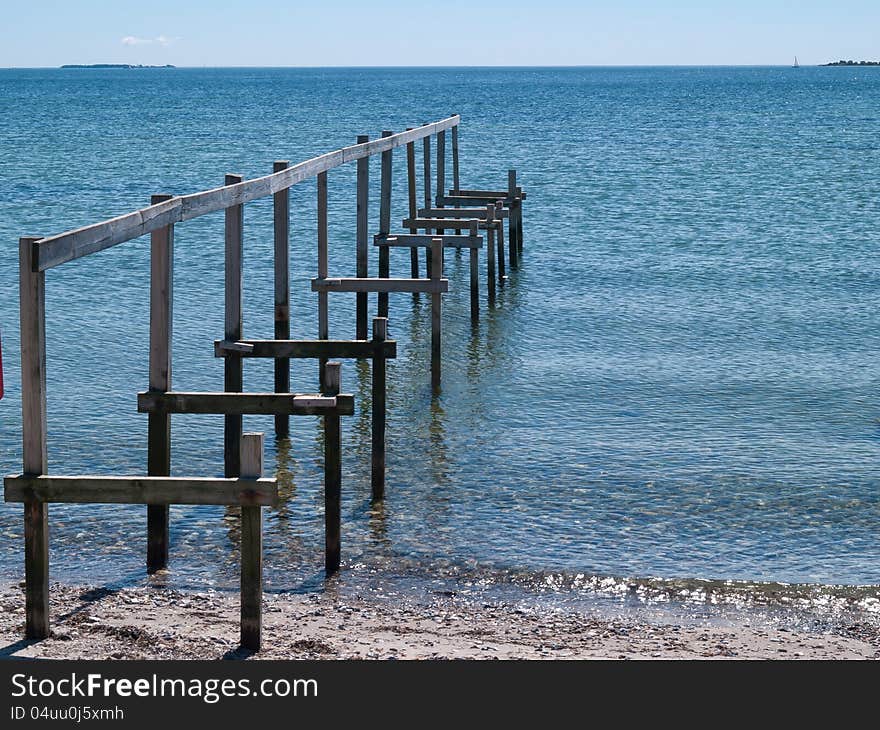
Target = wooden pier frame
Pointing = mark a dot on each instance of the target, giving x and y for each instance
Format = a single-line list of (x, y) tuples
[(378, 350), (35, 489), (281, 229), (332, 474), (159, 424), (385, 222)]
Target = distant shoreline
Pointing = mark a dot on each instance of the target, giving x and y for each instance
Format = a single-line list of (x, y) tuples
[(112, 65), (852, 63)]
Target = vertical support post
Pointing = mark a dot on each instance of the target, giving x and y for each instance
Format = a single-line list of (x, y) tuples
[(363, 222), (32, 293), (517, 204), (475, 274), (426, 165), (413, 209), (502, 271), (281, 220), (511, 218), (436, 275), (385, 223), (251, 548), (490, 252), (332, 474), (159, 424), (323, 319), (455, 179), (232, 364), (380, 334), (441, 167)]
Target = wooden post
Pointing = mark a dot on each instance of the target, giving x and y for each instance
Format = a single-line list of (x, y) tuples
[(363, 222), (380, 334), (251, 548), (426, 165), (517, 205), (475, 274), (232, 365), (32, 300), (490, 252), (385, 223), (512, 245), (159, 424), (332, 474), (323, 319), (413, 209), (502, 271), (441, 167), (281, 220), (455, 179), (436, 273)]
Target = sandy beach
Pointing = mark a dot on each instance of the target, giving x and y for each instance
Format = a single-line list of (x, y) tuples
[(146, 623)]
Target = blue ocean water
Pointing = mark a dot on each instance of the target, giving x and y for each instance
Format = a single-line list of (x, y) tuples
[(679, 381)]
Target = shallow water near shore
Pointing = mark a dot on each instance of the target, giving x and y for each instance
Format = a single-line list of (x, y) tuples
[(679, 381)]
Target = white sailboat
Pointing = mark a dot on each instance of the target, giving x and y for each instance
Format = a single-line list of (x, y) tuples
[(796, 64)]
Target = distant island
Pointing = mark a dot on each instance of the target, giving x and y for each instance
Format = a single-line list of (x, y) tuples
[(111, 65), (852, 63)]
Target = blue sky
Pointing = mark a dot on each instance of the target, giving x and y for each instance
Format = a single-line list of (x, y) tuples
[(450, 32)]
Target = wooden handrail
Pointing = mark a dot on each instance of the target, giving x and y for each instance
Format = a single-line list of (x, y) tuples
[(71, 245)]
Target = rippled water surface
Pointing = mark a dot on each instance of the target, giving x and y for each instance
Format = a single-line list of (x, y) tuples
[(680, 380)]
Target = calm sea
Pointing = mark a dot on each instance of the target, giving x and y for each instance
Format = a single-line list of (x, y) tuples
[(681, 380)]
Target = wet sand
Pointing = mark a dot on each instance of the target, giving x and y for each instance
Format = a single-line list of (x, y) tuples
[(146, 623)]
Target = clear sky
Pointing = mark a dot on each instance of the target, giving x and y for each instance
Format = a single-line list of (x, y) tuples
[(442, 33)]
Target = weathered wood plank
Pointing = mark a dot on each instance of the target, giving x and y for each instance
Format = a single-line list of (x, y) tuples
[(232, 366), (332, 474), (462, 224), (32, 313), (281, 231), (490, 251), (362, 233), (251, 548), (455, 178), (380, 285), (436, 315), (268, 404), (426, 184), (70, 245), (488, 193), (411, 190), (323, 236), (159, 424), (317, 349), (416, 240), (139, 490), (385, 222), (502, 272), (474, 273), (380, 335), (479, 213)]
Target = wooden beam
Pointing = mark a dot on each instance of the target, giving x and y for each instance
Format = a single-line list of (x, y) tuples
[(232, 366), (474, 273), (411, 189), (380, 285), (441, 164), (488, 193), (32, 312), (502, 273), (380, 335), (385, 222), (251, 548), (332, 475), (139, 490), (159, 424), (323, 309), (455, 178), (281, 230), (436, 274), (362, 233), (321, 349), (426, 176), (70, 245), (479, 213), (239, 404), (462, 224), (490, 251), (416, 240)]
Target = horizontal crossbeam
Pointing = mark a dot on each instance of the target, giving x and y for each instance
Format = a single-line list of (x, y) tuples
[(415, 240), (479, 214), (413, 286), (141, 490), (235, 404), (499, 194), (470, 199), (307, 348), (430, 224)]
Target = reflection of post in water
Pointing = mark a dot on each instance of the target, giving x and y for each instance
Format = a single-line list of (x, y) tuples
[(379, 526), (284, 470), (437, 437), (474, 352)]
